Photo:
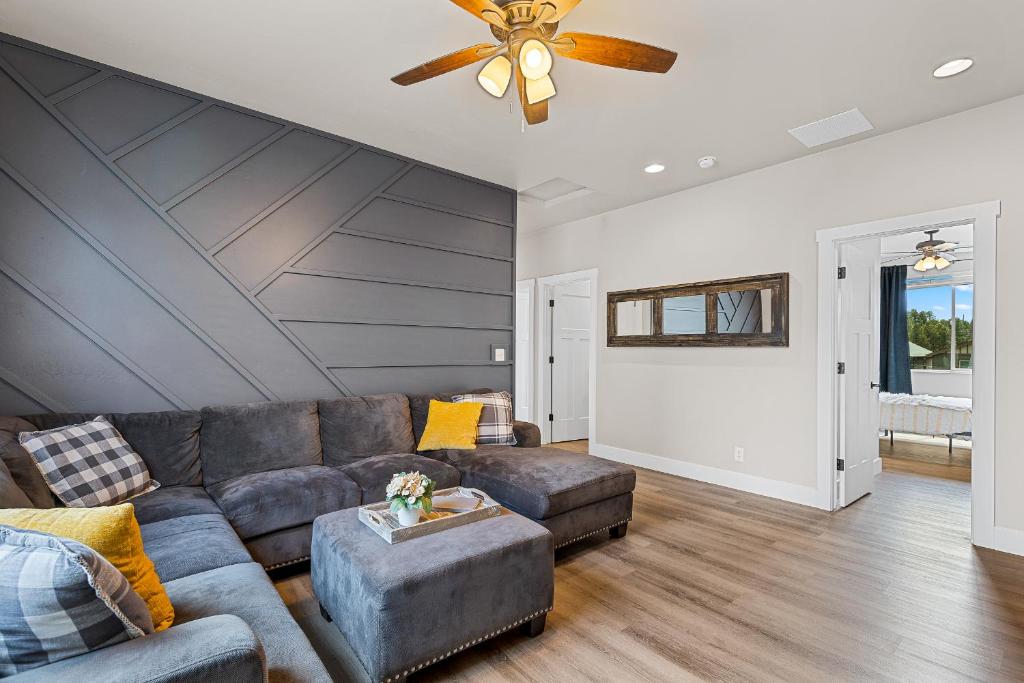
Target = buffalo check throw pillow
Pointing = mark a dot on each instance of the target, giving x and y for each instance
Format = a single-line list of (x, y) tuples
[(495, 427), (88, 464)]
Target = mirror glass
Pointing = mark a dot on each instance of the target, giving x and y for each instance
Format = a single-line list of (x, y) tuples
[(745, 312), (634, 318), (684, 315)]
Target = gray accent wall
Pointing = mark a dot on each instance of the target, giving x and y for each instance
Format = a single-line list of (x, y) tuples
[(161, 250)]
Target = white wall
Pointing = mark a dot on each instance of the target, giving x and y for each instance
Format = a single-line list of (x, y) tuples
[(941, 382), (692, 406)]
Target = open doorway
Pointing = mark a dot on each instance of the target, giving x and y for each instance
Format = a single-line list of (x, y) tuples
[(927, 337), (906, 353), (565, 325)]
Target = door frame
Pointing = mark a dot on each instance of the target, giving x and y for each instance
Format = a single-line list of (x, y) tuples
[(984, 531), (542, 327), (525, 355)]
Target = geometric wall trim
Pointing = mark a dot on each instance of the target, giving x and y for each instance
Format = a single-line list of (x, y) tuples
[(162, 249)]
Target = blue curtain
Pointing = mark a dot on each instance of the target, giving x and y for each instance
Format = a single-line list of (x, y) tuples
[(894, 364)]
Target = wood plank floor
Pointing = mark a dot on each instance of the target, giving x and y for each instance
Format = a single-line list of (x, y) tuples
[(931, 460), (714, 584)]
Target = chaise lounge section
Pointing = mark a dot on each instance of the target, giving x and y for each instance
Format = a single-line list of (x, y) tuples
[(240, 489)]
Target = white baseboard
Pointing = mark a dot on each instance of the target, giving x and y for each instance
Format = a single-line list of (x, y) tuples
[(1007, 540), (772, 488), (877, 466)]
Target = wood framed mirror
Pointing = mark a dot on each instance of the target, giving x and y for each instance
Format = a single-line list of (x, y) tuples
[(743, 311)]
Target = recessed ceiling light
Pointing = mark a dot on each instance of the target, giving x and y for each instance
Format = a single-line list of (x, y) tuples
[(707, 162), (654, 168), (953, 67)]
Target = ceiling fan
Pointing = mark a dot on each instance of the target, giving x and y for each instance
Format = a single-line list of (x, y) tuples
[(525, 30), (935, 254)]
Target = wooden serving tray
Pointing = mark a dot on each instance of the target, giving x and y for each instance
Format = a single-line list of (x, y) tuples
[(452, 507)]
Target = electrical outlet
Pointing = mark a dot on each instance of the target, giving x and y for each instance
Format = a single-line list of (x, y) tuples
[(738, 454)]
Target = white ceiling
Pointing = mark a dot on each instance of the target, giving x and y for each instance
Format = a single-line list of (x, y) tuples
[(748, 71)]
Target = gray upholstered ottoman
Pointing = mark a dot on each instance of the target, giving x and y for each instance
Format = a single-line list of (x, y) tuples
[(402, 607)]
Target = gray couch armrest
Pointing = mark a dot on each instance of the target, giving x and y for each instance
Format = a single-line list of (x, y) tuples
[(218, 648), (527, 434)]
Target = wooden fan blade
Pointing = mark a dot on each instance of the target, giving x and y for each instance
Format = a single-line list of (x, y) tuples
[(533, 113), (450, 62), (617, 52), (552, 10), (484, 9)]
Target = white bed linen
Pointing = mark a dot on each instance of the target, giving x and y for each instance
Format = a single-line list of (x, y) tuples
[(924, 414)]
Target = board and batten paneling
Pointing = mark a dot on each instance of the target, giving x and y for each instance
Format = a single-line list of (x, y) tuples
[(162, 250)]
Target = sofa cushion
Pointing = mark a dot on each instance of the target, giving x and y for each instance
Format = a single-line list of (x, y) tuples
[(258, 437), (183, 546), (373, 474), (281, 548), (540, 482), (262, 502), (168, 441), (245, 591), (20, 463), (173, 501), (419, 407), (11, 496), (357, 427)]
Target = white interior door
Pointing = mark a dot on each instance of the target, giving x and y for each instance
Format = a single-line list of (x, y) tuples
[(859, 305), (570, 351), (524, 351)]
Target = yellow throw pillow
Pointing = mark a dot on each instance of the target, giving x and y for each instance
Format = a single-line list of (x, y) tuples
[(450, 425), (113, 533)]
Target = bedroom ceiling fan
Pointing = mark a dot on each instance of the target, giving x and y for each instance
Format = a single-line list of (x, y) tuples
[(526, 34), (934, 254)]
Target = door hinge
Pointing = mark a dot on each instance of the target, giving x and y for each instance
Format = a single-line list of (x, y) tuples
[(551, 417), (840, 368), (551, 303), (551, 360), (840, 465), (842, 272)]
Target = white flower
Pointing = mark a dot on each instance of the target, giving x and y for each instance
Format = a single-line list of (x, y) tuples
[(411, 500)]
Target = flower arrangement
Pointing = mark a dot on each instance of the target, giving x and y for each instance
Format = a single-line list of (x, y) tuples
[(411, 492)]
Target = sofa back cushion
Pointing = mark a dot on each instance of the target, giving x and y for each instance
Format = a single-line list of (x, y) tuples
[(168, 442), (20, 464), (419, 407), (11, 495), (357, 427), (258, 437)]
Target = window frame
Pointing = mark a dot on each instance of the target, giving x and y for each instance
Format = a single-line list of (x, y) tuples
[(953, 282)]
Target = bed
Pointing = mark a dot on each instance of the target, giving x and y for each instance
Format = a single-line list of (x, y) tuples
[(947, 416)]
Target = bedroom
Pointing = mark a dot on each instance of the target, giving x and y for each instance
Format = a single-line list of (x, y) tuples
[(925, 362)]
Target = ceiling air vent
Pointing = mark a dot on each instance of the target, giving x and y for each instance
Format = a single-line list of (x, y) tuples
[(833, 128), (554, 191)]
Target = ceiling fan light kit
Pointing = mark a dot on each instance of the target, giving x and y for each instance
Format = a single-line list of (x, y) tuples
[(526, 31), (495, 77)]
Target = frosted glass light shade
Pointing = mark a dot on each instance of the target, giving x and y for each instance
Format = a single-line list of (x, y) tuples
[(942, 262), (534, 60), (495, 76), (539, 90)]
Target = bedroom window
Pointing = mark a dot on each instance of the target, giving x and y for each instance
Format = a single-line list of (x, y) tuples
[(940, 326)]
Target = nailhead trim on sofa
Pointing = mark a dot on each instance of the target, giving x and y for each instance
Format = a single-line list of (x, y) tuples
[(460, 648), (588, 535), (287, 564)]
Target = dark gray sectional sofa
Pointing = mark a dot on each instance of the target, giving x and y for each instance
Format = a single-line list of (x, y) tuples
[(240, 488)]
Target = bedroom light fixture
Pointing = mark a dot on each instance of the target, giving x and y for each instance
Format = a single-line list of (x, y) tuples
[(494, 77), (534, 60), (953, 67), (707, 162), (539, 89), (654, 168)]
